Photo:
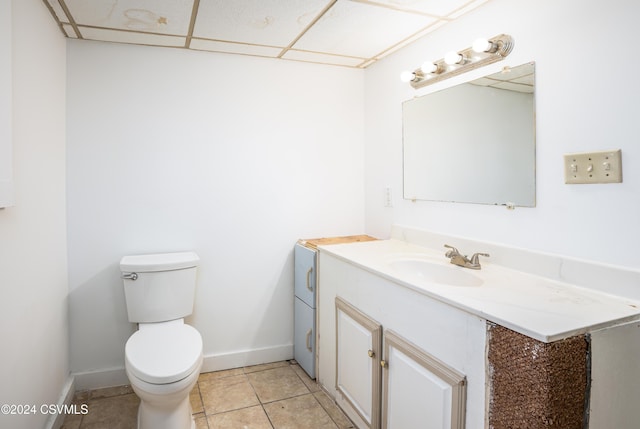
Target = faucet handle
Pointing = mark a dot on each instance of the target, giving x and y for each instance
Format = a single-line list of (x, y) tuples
[(475, 260), (451, 252)]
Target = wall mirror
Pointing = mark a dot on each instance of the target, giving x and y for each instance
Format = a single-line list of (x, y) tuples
[(473, 142)]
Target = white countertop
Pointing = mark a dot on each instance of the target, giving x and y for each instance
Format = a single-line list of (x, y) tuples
[(539, 307)]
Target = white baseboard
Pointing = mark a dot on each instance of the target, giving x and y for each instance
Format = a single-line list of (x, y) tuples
[(117, 377), (247, 358), (55, 421), (102, 378)]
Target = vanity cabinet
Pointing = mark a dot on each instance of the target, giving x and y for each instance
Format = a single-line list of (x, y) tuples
[(433, 354), (419, 391), (527, 349)]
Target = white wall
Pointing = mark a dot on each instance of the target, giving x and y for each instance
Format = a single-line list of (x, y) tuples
[(33, 256), (230, 156), (586, 99), (6, 157)]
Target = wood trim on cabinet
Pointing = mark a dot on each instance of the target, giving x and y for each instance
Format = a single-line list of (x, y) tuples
[(455, 379), (375, 353)]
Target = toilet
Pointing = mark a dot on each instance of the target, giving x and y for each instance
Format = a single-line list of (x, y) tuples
[(163, 357)]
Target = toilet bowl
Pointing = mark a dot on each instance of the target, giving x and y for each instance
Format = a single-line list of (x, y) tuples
[(163, 362), (163, 358)]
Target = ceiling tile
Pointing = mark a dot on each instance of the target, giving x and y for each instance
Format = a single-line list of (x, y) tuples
[(57, 9), (234, 48), (131, 37), (412, 39), (68, 28), (314, 57), (439, 8), (153, 16), (468, 8), (359, 30), (260, 22)]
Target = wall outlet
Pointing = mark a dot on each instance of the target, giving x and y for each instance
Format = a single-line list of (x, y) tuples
[(593, 167)]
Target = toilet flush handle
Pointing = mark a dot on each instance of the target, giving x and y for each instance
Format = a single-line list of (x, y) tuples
[(130, 276)]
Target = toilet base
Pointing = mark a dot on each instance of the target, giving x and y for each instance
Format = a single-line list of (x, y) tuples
[(165, 406), (180, 417)]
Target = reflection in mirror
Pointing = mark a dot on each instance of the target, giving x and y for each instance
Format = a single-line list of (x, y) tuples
[(474, 142)]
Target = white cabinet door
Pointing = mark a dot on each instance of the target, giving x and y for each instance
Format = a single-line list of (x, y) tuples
[(419, 392), (358, 370)]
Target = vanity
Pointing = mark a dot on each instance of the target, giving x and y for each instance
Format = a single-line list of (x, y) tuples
[(531, 340)]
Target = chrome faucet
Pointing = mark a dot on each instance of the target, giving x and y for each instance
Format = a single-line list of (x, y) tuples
[(462, 260)]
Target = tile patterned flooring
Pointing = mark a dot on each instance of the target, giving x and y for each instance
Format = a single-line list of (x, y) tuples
[(277, 395)]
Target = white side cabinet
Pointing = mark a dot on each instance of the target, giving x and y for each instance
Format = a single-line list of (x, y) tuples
[(304, 310)]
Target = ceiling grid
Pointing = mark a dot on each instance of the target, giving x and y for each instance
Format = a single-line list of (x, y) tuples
[(350, 33)]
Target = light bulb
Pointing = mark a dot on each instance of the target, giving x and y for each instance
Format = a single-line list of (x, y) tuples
[(428, 67), (482, 45), (453, 58), (407, 76)]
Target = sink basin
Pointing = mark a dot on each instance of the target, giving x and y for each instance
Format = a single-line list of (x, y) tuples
[(434, 272)]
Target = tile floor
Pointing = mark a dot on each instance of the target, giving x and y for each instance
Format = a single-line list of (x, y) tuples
[(277, 395)]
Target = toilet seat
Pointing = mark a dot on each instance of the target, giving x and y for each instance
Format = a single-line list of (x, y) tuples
[(163, 353)]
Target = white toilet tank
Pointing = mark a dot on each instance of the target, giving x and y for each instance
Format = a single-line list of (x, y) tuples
[(159, 287)]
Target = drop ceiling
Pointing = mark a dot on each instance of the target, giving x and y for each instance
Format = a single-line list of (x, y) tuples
[(351, 33), (519, 79)]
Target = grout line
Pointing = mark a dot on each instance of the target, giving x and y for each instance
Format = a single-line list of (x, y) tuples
[(204, 410), (327, 411), (290, 364), (266, 414)]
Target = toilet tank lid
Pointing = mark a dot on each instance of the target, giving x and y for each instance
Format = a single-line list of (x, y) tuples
[(159, 262)]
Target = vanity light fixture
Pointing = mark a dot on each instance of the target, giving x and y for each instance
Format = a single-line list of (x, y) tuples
[(484, 45), (481, 53), (429, 67), (453, 57), (410, 76)]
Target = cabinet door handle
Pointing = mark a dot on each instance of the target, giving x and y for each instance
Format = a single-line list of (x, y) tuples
[(383, 363), (308, 340), (371, 353), (309, 271)]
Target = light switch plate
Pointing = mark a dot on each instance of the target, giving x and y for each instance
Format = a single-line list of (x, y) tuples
[(388, 200), (593, 167)]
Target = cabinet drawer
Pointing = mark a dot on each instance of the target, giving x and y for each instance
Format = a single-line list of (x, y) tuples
[(305, 274), (304, 341)]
